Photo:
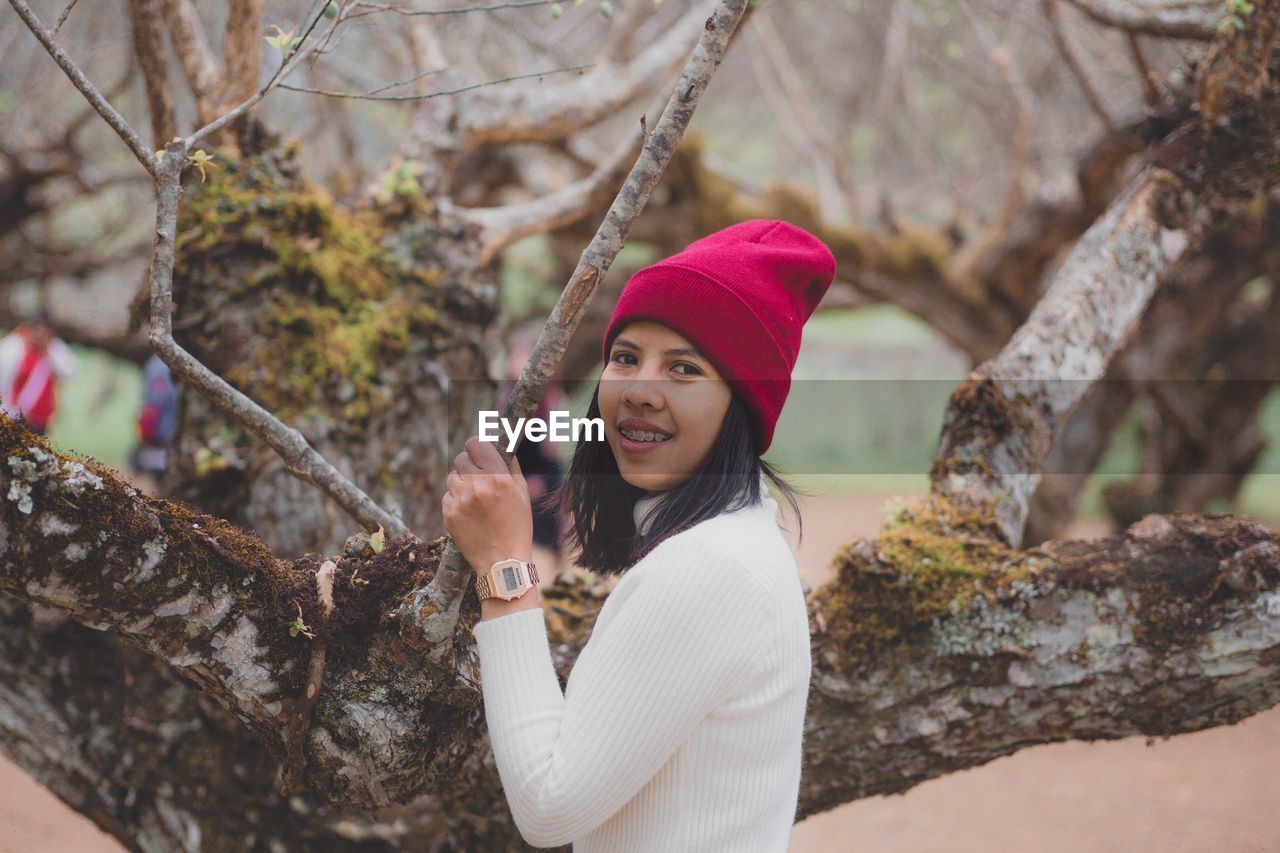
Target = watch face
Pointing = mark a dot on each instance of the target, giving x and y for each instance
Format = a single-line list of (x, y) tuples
[(508, 580)]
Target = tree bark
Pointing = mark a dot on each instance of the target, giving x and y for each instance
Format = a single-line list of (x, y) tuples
[(923, 645), (939, 645)]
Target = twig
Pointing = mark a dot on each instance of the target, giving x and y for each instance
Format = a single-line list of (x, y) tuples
[(373, 96), (287, 67), (408, 13), (1148, 77), (434, 608), (91, 93), (1053, 14), (828, 159), (968, 258), (295, 757), (66, 13)]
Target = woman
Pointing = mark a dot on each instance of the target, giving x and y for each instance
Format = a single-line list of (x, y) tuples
[(681, 725)]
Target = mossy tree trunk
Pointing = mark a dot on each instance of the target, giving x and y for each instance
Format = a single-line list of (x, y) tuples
[(939, 645), (364, 329)]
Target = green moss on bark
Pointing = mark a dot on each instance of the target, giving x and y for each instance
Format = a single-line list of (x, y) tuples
[(303, 305), (928, 565)]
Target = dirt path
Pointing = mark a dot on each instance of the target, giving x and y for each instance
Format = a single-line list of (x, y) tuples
[(1208, 791)]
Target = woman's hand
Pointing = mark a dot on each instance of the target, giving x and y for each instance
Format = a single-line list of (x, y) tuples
[(487, 508)]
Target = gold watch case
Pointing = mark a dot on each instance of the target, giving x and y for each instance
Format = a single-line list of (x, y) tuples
[(507, 579)]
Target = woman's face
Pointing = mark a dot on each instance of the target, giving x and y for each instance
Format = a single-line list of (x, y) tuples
[(662, 404)]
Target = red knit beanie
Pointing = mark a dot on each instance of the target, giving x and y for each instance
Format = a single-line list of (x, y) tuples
[(741, 296)]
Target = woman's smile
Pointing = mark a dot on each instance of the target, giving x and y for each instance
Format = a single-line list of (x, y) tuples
[(640, 436)]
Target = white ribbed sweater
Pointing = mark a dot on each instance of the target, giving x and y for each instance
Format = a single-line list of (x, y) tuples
[(681, 724)]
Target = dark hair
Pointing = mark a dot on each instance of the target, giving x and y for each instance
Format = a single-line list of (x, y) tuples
[(596, 505)]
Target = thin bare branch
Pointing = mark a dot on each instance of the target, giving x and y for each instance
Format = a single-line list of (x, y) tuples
[(433, 610), (373, 95), (1149, 80), (121, 85), (81, 82), (1053, 15), (307, 47), (66, 13), (409, 13)]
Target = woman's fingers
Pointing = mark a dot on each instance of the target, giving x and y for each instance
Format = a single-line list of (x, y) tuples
[(486, 457), (463, 464)]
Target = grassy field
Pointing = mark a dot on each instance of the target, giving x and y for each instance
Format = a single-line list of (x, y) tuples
[(98, 408)]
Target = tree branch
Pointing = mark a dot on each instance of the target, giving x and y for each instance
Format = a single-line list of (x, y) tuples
[(538, 113), (1173, 627), (376, 93), (299, 457), (201, 67), (81, 82), (148, 50), (242, 49), (434, 609), (305, 51), (1001, 420), (1190, 23), (502, 226), (1053, 15), (920, 668)]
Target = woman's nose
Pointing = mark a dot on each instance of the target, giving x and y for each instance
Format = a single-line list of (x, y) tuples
[(643, 390)]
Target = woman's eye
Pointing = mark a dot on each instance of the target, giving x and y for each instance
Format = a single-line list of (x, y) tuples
[(621, 355), (693, 371)]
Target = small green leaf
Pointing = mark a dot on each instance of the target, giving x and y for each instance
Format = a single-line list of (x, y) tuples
[(281, 41), (331, 10), (606, 8), (556, 10), (378, 541)]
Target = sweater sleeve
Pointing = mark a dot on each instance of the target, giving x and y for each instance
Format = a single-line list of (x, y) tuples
[(685, 636)]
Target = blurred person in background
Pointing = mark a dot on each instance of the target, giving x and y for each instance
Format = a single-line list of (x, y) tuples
[(157, 423), (32, 360)]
